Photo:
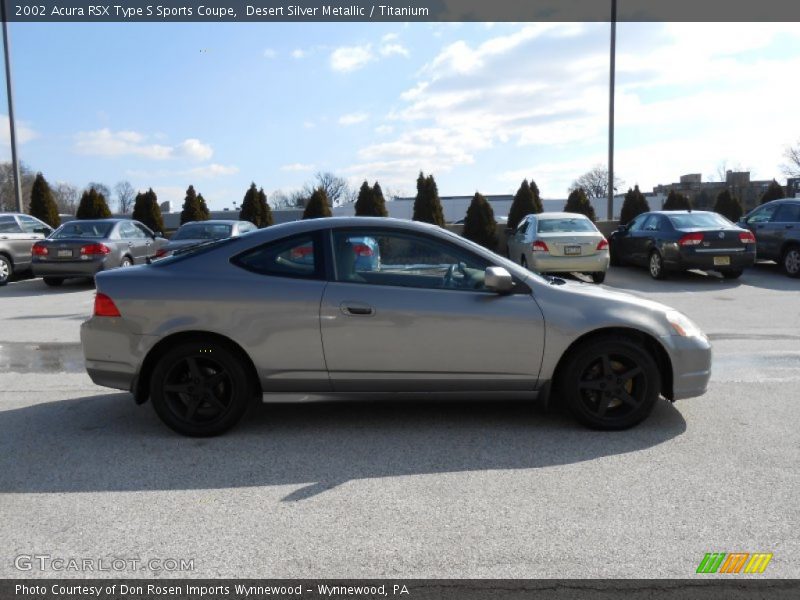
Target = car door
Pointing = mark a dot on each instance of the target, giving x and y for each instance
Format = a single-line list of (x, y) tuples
[(631, 241), (784, 225), (132, 242), (758, 222), (516, 246), (422, 320), (147, 238), (16, 241)]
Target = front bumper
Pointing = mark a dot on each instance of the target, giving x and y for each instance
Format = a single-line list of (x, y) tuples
[(691, 365), (546, 263)]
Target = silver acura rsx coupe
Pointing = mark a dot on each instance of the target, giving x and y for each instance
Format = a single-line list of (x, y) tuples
[(206, 332)]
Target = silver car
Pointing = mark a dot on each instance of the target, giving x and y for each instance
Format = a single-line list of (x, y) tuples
[(18, 234), (560, 243), (204, 333), (200, 232)]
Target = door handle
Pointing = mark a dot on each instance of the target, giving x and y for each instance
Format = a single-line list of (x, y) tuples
[(356, 309)]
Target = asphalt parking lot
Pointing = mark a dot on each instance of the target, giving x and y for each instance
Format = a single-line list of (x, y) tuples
[(408, 490)]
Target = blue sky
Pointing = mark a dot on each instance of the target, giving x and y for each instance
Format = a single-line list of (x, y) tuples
[(479, 105)]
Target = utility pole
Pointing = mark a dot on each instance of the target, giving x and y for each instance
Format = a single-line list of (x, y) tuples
[(14, 161), (612, 70)]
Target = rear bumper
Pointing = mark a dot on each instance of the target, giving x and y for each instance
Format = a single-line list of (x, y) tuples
[(691, 365), (704, 259), (113, 354), (545, 263), (69, 268)]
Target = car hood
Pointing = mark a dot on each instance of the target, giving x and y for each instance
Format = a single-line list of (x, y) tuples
[(599, 293)]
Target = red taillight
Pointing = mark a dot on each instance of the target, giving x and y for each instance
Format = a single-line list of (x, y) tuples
[(603, 245), (301, 252), (747, 237), (39, 249), (104, 306), (691, 239), (540, 246), (93, 249), (160, 253), (362, 250)]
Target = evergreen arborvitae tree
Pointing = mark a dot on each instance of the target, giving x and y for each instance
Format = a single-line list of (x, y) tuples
[(479, 224), (43, 205), (773, 192), (526, 202), (93, 205), (192, 209), (147, 211), (204, 212), (578, 202), (677, 201), (370, 201), (380, 201), (427, 205), (318, 205), (728, 206), (264, 210), (250, 211), (635, 204)]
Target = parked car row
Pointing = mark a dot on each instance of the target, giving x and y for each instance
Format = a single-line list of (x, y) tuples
[(661, 241)]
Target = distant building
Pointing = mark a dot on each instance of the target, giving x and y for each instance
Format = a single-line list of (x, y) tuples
[(793, 187), (166, 206), (703, 194)]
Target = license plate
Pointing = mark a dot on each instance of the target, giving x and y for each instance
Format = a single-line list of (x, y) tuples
[(572, 250), (68, 254), (722, 261)]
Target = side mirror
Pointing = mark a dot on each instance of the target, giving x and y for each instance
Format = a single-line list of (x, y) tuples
[(497, 279), (622, 228), (742, 222)]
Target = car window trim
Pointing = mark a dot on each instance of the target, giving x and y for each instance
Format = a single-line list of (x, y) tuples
[(319, 260)]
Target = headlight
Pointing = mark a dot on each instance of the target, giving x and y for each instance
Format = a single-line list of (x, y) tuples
[(683, 325)]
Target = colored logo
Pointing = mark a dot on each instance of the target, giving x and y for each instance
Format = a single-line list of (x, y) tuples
[(735, 562)]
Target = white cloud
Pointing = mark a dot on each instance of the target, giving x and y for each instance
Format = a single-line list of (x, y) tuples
[(353, 119), (394, 49), (209, 171), (270, 53), (111, 144), (351, 58), (309, 124), (389, 37), (384, 129), (297, 167), (299, 53), (24, 133)]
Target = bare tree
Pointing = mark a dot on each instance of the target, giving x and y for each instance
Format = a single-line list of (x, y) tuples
[(792, 155), (67, 197), (100, 188), (337, 188), (595, 182), (125, 196), (8, 201), (721, 172)]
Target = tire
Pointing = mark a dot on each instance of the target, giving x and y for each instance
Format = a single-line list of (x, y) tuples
[(598, 277), (200, 389), (523, 261), (732, 273), (790, 261), (596, 390), (655, 265), (6, 269), (53, 281), (127, 261)]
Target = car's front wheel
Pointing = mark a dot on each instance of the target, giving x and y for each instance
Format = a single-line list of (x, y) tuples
[(656, 266), (610, 383), (791, 261), (200, 389), (6, 269), (598, 277)]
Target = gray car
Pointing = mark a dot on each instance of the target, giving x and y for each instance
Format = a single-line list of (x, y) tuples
[(18, 234), (440, 315), (776, 227), (199, 232), (83, 248)]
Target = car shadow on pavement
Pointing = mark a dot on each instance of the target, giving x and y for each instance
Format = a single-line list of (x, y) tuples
[(37, 287), (106, 443)]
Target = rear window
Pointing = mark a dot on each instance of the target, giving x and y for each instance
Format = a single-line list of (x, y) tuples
[(83, 229), (203, 231), (565, 225), (698, 221)]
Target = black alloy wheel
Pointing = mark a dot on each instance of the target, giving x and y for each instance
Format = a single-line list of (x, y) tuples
[(200, 389), (610, 383)]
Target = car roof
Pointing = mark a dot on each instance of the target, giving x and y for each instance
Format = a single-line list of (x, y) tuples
[(667, 213), (216, 222), (559, 215)]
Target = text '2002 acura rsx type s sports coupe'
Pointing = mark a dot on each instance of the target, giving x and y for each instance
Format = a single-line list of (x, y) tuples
[(204, 333)]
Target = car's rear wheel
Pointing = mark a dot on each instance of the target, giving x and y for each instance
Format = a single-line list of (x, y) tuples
[(53, 281), (656, 266), (791, 261), (523, 261), (732, 273), (598, 277), (6, 269), (200, 389), (613, 255), (610, 383)]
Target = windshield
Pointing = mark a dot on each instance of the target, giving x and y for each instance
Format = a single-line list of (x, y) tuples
[(83, 229), (699, 220), (565, 225), (203, 231)]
